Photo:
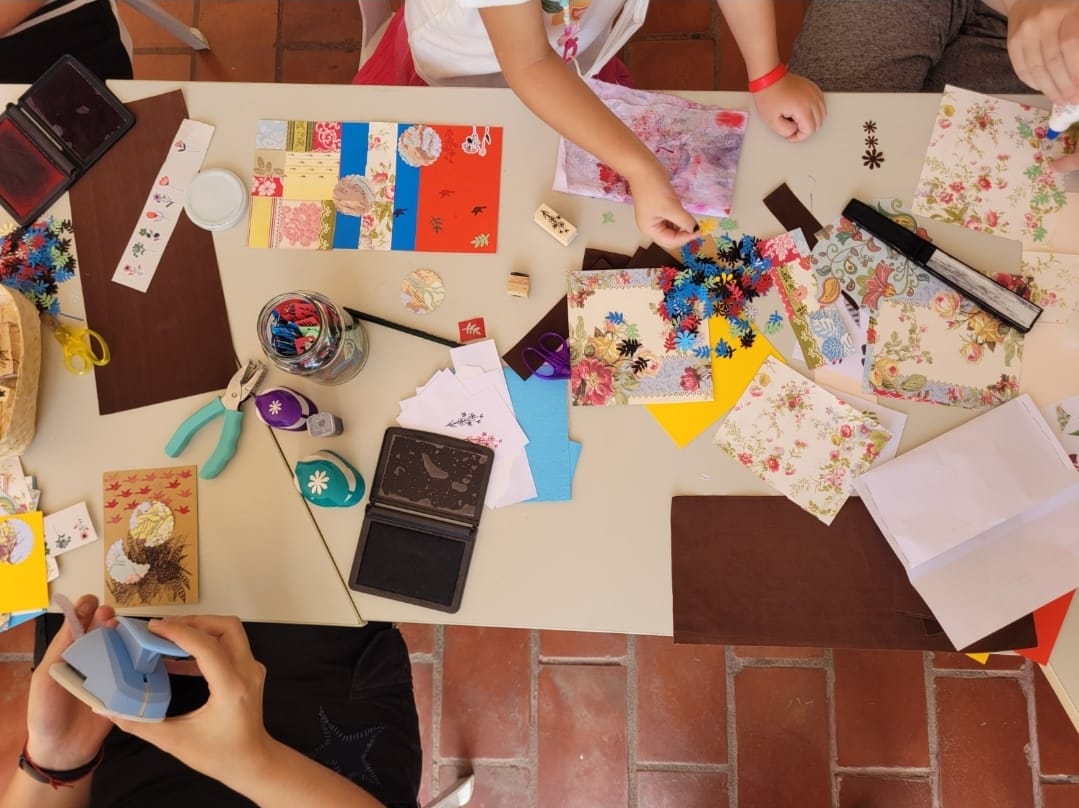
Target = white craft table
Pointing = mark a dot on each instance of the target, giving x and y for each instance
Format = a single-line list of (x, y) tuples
[(598, 563)]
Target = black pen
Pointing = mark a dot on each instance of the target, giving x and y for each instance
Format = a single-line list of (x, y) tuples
[(404, 329), (993, 297)]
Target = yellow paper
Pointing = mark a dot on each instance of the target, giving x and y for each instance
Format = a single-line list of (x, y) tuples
[(22, 563), (981, 659), (730, 377), (261, 215)]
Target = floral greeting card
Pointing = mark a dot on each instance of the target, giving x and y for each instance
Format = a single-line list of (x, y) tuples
[(698, 145), (801, 439), (151, 536), (68, 529), (987, 168), (946, 352), (22, 563), (626, 344), (332, 185)]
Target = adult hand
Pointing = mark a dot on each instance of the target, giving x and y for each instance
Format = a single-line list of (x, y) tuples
[(63, 732), (659, 212), (1062, 165), (226, 735), (1043, 43), (792, 107)]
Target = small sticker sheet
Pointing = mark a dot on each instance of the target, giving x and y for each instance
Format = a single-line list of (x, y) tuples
[(164, 205)]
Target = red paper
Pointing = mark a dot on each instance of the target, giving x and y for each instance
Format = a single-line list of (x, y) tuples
[(1047, 622)]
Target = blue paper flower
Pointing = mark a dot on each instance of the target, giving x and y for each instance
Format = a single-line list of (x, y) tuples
[(724, 349), (685, 341), (615, 318)]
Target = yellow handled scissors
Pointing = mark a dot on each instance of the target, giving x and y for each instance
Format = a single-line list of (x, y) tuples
[(83, 348)]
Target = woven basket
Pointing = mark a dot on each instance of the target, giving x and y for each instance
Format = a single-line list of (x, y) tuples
[(18, 404)]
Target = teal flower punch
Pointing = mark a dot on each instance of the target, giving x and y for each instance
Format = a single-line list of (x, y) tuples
[(328, 480)]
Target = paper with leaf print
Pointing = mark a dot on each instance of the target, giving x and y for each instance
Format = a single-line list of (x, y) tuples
[(333, 185), (947, 352), (1063, 417), (68, 529), (817, 324), (623, 350), (800, 439), (987, 168)]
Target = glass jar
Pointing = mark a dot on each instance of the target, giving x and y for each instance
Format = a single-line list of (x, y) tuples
[(308, 334)]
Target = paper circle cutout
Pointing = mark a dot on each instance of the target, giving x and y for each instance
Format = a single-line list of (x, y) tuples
[(16, 541), (152, 523), (121, 568), (419, 145), (353, 195), (422, 291)]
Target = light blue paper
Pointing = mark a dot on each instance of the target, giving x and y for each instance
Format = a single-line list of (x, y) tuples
[(543, 413), (18, 618)]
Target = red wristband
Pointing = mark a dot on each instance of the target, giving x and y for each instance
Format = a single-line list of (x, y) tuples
[(768, 79)]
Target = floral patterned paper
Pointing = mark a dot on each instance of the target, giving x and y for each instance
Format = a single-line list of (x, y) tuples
[(800, 439), (624, 346), (817, 325), (986, 167), (1049, 279)]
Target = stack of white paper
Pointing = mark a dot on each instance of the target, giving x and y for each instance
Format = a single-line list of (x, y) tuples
[(473, 403), (983, 518)]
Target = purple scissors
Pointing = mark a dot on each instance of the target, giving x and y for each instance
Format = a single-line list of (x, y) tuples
[(549, 358)]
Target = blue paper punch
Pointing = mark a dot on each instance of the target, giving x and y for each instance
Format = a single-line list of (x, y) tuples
[(120, 670)]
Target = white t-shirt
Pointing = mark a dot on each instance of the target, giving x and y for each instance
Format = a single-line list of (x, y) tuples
[(450, 44)]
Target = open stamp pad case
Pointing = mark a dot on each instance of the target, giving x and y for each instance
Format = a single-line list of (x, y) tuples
[(420, 525), (58, 129)]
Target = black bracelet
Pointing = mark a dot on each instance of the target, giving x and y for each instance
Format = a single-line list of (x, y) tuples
[(59, 779)]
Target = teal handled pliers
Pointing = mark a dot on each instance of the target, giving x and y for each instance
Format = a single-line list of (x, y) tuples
[(243, 383)]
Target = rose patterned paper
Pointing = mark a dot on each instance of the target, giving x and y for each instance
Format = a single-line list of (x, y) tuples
[(946, 352), (698, 145), (1049, 279), (800, 439), (332, 185), (625, 346), (986, 168)]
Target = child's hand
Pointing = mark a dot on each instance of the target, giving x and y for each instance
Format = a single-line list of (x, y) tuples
[(659, 213), (792, 107)]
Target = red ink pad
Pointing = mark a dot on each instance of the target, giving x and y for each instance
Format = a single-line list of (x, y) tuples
[(27, 177)]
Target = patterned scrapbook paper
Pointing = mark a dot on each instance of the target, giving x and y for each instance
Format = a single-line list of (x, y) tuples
[(625, 348), (800, 439), (1049, 279), (698, 145), (815, 320), (331, 185), (986, 168)]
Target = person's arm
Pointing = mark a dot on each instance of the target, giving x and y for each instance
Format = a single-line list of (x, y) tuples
[(555, 93), (793, 106), (62, 733), (1043, 43), (12, 12), (226, 738)]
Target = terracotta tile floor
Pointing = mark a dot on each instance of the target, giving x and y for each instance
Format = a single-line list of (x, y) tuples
[(550, 719)]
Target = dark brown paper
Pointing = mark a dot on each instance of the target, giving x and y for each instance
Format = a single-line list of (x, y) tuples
[(761, 571), (173, 340), (792, 214)]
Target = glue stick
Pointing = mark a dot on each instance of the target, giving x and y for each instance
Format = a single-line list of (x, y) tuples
[(1064, 115)]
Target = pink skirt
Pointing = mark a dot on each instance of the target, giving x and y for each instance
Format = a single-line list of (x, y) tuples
[(391, 63)]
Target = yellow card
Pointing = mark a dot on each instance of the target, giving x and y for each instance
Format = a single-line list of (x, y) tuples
[(730, 377), (22, 563)]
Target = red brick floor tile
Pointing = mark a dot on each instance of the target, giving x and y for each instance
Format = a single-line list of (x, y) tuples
[(162, 66), (18, 640), (982, 732), (777, 652), (145, 33), (496, 786), (423, 687), (1058, 740), (944, 660), (583, 751), (14, 685), (659, 789), (1060, 795), (883, 792), (681, 702), (678, 17), (781, 717), (486, 675), (319, 66), (880, 710), (582, 644), (243, 39), (419, 637), (664, 64), (320, 20)]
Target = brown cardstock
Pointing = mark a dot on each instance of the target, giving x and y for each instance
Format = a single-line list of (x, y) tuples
[(761, 571), (151, 518), (792, 214), (173, 340)]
